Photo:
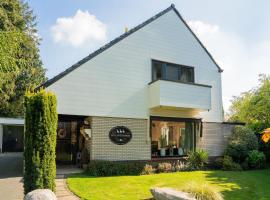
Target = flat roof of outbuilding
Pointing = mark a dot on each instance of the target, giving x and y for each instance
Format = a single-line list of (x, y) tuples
[(11, 121)]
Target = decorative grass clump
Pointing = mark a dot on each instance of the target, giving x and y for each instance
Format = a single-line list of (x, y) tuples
[(197, 159), (203, 191)]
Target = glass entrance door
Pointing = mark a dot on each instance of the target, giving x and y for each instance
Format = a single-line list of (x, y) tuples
[(66, 147)]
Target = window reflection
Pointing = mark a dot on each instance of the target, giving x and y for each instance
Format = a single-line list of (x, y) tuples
[(175, 138)]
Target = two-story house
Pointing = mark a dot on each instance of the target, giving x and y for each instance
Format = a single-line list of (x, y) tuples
[(154, 92)]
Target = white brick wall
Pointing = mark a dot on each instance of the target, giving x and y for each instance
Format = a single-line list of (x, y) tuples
[(139, 148), (215, 138)]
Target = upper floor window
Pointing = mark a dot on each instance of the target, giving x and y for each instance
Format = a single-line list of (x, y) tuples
[(172, 72)]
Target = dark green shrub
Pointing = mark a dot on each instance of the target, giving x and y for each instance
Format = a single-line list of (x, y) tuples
[(39, 141), (240, 143), (237, 150), (197, 159), (217, 163), (164, 167), (245, 165), (256, 159), (110, 168), (265, 148), (246, 135), (230, 165)]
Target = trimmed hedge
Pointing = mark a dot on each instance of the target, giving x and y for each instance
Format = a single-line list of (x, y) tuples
[(116, 168), (40, 140), (124, 168)]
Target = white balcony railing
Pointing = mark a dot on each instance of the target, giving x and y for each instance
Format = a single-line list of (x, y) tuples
[(179, 95)]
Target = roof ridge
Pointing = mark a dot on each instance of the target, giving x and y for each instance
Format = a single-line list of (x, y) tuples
[(119, 38)]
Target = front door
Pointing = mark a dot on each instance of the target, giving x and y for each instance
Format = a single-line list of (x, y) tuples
[(66, 148)]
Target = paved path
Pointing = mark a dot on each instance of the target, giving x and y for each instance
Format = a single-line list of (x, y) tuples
[(62, 191), (11, 170), (11, 183)]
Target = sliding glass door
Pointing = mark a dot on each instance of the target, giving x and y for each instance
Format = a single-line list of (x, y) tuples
[(172, 137)]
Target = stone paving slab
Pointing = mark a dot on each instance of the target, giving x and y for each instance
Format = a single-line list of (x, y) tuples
[(11, 183), (11, 188), (62, 191), (11, 170)]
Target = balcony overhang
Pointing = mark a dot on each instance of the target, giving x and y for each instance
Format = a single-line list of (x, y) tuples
[(179, 95)]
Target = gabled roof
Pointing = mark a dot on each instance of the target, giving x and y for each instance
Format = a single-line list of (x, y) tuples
[(121, 37)]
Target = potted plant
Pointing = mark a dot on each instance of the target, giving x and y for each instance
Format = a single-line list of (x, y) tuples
[(180, 149), (163, 144)]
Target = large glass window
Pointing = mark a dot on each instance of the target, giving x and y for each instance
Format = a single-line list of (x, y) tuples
[(174, 138), (157, 70), (173, 72), (187, 74)]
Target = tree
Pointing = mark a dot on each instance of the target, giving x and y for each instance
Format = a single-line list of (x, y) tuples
[(20, 65), (253, 106), (40, 140)]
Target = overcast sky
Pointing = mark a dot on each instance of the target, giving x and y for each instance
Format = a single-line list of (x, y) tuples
[(237, 33)]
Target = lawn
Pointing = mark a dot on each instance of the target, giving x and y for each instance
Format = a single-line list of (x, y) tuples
[(246, 185)]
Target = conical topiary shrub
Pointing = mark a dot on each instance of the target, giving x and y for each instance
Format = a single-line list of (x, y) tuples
[(40, 140)]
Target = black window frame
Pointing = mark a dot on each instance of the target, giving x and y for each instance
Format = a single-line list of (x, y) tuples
[(163, 71), (192, 77)]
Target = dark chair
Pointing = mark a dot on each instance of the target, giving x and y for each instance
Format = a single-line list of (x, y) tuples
[(154, 148), (167, 151), (175, 151)]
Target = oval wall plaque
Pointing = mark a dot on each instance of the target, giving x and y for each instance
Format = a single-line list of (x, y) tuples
[(120, 135)]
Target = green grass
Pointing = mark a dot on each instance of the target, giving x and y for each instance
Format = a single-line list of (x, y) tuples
[(246, 185)]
